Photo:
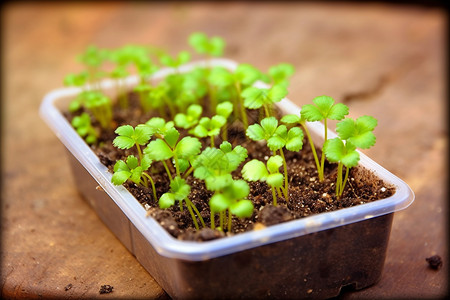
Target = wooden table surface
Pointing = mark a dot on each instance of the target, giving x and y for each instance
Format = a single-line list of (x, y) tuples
[(384, 60)]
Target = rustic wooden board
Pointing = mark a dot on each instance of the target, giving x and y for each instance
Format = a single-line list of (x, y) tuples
[(383, 60)]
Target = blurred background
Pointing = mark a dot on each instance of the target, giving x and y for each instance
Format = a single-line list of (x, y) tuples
[(385, 59)]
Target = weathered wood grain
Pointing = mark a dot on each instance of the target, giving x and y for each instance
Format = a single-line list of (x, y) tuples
[(384, 60)]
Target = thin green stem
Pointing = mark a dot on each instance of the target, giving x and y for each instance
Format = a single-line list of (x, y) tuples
[(339, 180), (194, 219), (266, 110), (274, 197), (189, 202), (313, 148), (229, 220), (167, 170), (181, 205), (212, 141), (153, 185), (241, 105), (279, 192), (139, 153), (322, 159), (345, 179), (177, 165), (213, 223), (286, 182), (221, 220), (189, 171)]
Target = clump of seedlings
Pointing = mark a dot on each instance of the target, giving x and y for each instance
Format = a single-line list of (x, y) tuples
[(185, 137)]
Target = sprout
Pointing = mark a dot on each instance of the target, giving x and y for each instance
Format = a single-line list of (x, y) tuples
[(179, 191), (323, 110), (209, 127), (214, 166), (256, 98), (83, 126), (100, 106), (231, 198), (203, 45), (132, 170), (190, 119), (352, 134), (255, 170), (224, 109), (244, 75), (129, 137), (280, 73), (174, 62), (168, 147), (277, 137)]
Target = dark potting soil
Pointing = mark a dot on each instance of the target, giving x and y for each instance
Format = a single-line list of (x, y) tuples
[(307, 195)]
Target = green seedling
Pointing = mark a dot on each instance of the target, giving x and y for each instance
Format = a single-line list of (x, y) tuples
[(179, 191), (209, 127), (158, 126), (224, 109), (231, 198), (190, 88), (215, 166), (174, 62), (255, 98), (244, 76), (170, 146), (277, 138), (93, 58), (133, 170), (279, 74), (190, 118), (83, 126), (323, 110), (100, 106), (256, 170), (352, 134), (158, 98), (203, 45), (130, 137)]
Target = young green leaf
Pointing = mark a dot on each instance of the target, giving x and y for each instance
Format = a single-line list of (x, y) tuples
[(254, 170), (280, 73), (83, 126), (191, 117), (324, 108), (336, 151), (202, 44), (358, 132), (224, 109), (174, 62), (257, 97), (129, 136)]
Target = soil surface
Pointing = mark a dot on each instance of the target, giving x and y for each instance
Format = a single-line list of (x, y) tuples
[(307, 195)]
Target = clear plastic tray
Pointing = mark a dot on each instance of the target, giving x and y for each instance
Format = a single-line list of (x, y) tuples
[(195, 251), (313, 257)]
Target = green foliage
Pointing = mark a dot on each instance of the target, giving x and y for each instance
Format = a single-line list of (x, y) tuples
[(174, 62), (224, 109), (203, 45), (83, 126), (191, 117), (358, 132), (323, 109), (259, 97), (130, 170), (129, 136), (101, 107), (280, 74), (256, 170), (214, 166), (209, 127)]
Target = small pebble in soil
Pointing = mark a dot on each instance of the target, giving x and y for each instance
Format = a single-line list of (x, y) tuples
[(106, 289), (435, 262), (68, 287)]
